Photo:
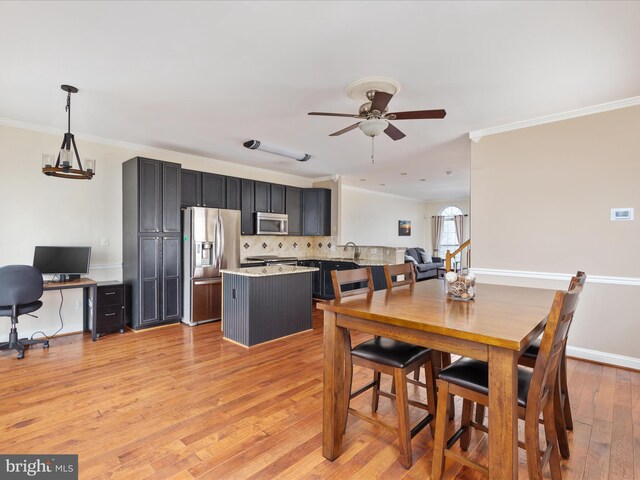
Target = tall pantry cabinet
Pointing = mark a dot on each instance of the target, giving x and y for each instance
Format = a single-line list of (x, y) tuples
[(151, 241)]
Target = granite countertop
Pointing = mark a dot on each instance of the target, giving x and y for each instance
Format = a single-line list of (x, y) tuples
[(363, 262), (269, 271)]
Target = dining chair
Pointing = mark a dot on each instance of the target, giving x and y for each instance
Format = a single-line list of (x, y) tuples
[(564, 419), (402, 269), (391, 357), (469, 379), (406, 270)]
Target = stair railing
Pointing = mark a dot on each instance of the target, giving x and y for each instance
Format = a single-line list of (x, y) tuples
[(450, 255)]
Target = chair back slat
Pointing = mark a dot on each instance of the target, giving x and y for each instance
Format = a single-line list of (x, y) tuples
[(405, 269), (342, 278), (554, 340), (578, 280)]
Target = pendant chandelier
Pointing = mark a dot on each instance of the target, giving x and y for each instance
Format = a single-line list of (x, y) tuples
[(64, 165)]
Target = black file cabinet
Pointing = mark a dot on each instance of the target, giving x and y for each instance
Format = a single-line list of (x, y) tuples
[(110, 311)]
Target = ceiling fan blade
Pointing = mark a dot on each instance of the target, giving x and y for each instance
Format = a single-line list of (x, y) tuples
[(345, 130), (334, 114), (418, 114), (380, 101), (394, 133)]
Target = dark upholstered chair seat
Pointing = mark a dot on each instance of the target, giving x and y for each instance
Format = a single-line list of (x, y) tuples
[(390, 352), (5, 311), (532, 351), (474, 375)]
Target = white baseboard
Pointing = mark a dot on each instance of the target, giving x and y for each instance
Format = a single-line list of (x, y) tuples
[(604, 357), (565, 277)]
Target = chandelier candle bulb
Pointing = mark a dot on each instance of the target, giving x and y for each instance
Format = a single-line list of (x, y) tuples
[(47, 160)]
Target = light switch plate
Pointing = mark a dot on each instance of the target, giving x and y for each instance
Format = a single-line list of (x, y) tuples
[(621, 214)]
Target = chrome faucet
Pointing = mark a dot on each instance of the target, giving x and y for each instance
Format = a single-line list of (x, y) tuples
[(356, 252)]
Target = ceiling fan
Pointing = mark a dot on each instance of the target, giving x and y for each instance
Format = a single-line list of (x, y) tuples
[(374, 113)]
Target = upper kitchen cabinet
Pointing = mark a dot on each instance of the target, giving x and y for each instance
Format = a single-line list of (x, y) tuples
[(214, 188), (262, 197), (278, 195), (269, 197), (293, 208), (170, 197), (191, 188), (156, 185), (233, 193), (202, 189), (316, 211), (247, 205)]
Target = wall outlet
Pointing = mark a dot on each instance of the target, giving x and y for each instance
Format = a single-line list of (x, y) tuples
[(104, 242), (78, 304), (374, 250)]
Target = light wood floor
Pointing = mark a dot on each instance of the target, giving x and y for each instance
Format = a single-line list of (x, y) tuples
[(180, 402)]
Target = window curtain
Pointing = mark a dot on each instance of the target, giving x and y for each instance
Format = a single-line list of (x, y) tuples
[(458, 221), (437, 222)]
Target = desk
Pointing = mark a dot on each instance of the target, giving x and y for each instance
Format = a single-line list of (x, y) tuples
[(496, 327), (89, 292)]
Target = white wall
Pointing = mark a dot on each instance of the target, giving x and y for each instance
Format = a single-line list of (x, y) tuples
[(371, 218), (40, 210), (540, 211)]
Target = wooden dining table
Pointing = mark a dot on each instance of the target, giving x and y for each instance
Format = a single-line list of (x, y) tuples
[(496, 327)]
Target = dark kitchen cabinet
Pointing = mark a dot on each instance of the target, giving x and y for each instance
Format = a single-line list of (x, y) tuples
[(316, 277), (172, 285), (149, 281), (151, 198), (170, 198), (293, 208), (149, 188), (269, 197), (316, 211), (262, 197), (214, 188), (278, 195), (233, 193), (191, 188), (247, 224)]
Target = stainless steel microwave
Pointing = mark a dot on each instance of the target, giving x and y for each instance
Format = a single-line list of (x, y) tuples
[(272, 223)]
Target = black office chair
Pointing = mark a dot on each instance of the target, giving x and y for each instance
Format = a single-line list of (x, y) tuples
[(20, 290)]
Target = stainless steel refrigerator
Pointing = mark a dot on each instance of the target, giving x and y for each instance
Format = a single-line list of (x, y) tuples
[(211, 242)]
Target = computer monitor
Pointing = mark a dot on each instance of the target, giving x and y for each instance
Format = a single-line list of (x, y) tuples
[(67, 262)]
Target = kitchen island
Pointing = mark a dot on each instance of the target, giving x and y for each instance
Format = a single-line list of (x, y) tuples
[(260, 304)]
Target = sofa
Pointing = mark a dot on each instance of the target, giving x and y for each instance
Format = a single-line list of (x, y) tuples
[(424, 270)]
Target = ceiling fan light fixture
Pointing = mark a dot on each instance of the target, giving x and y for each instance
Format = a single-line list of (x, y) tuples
[(373, 126)]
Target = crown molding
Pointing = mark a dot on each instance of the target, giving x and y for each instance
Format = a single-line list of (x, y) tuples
[(477, 135)]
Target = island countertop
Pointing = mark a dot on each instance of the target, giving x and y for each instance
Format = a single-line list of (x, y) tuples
[(269, 271)]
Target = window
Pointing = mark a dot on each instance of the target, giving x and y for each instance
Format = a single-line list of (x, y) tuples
[(449, 238)]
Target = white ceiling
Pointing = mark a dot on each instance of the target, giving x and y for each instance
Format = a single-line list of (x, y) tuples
[(203, 77)]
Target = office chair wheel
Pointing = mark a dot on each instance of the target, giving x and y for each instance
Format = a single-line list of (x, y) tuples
[(20, 355), (45, 344)]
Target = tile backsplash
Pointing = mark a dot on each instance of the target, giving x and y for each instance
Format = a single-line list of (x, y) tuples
[(286, 246), (313, 247)]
